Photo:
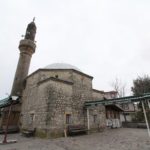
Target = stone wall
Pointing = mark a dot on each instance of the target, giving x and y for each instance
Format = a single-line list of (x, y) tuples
[(97, 95), (97, 118), (52, 100), (98, 112), (58, 100), (82, 92), (43, 74), (111, 94), (134, 125), (30, 102), (64, 74), (52, 94)]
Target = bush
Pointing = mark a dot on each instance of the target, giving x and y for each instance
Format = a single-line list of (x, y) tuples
[(139, 116)]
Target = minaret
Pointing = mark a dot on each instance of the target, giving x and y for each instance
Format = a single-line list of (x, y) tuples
[(27, 48)]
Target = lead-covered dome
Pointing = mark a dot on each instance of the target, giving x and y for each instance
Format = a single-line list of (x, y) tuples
[(61, 66)]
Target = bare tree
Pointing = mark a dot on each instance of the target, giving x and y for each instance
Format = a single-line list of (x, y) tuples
[(119, 87)]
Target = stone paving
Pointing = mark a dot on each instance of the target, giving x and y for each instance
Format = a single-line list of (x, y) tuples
[(111, 139)]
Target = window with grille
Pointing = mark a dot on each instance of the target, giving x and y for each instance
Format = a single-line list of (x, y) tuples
[(68, 118)]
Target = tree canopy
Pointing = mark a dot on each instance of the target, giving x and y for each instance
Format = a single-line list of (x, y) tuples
[(141, 85)]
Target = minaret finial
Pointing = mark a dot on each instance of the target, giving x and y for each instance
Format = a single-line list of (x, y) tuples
[(33, 19), (31, 31)]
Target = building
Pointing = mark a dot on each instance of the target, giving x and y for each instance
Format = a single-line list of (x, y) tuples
[(54, 97), (113, 111), (129, 111)]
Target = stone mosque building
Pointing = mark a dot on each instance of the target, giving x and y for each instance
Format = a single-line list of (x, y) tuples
[(53, 97)]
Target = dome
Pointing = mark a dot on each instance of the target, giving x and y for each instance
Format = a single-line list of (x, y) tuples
[(61, 66)]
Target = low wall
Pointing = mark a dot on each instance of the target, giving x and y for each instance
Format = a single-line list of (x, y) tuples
[(134, 125)]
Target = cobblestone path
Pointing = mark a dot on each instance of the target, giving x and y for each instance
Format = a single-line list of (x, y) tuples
[(112, 139)]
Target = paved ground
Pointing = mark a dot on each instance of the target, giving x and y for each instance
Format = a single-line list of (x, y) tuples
[(112, 139)]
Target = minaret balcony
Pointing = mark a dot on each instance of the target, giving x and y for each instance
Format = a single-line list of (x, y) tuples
[(27, 46)]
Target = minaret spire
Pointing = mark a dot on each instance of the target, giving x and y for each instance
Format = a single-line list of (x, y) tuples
[(33, 19)]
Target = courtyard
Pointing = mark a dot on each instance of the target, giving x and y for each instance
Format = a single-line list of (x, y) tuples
[(111, 139)]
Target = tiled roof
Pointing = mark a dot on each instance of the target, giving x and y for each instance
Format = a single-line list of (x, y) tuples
[(5, 102)]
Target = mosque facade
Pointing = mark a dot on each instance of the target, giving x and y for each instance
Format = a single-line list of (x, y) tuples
[(52, 98)]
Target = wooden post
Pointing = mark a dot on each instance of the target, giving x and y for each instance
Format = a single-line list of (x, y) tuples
[(148, 103), (65, 132), (7, 124), (125, 119), (88, 119), (145, 118), (5, 141)]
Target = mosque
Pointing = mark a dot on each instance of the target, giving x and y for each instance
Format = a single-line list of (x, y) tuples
[(54, 97)]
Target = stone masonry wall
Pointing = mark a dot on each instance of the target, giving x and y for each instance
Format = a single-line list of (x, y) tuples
[(60, 74), (97, 95), (58, 96), (97, 113), (82, 92), (48, 107), (30, 102), (47, 100), (43, 74), (97, 118)]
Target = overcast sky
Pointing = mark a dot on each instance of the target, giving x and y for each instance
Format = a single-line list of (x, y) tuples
[(106, 39)]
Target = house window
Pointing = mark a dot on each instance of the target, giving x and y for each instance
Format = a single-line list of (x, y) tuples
[(68, 118), (94, 118)]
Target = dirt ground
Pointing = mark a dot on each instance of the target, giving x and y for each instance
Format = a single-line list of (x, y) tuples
[(111, 139)]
